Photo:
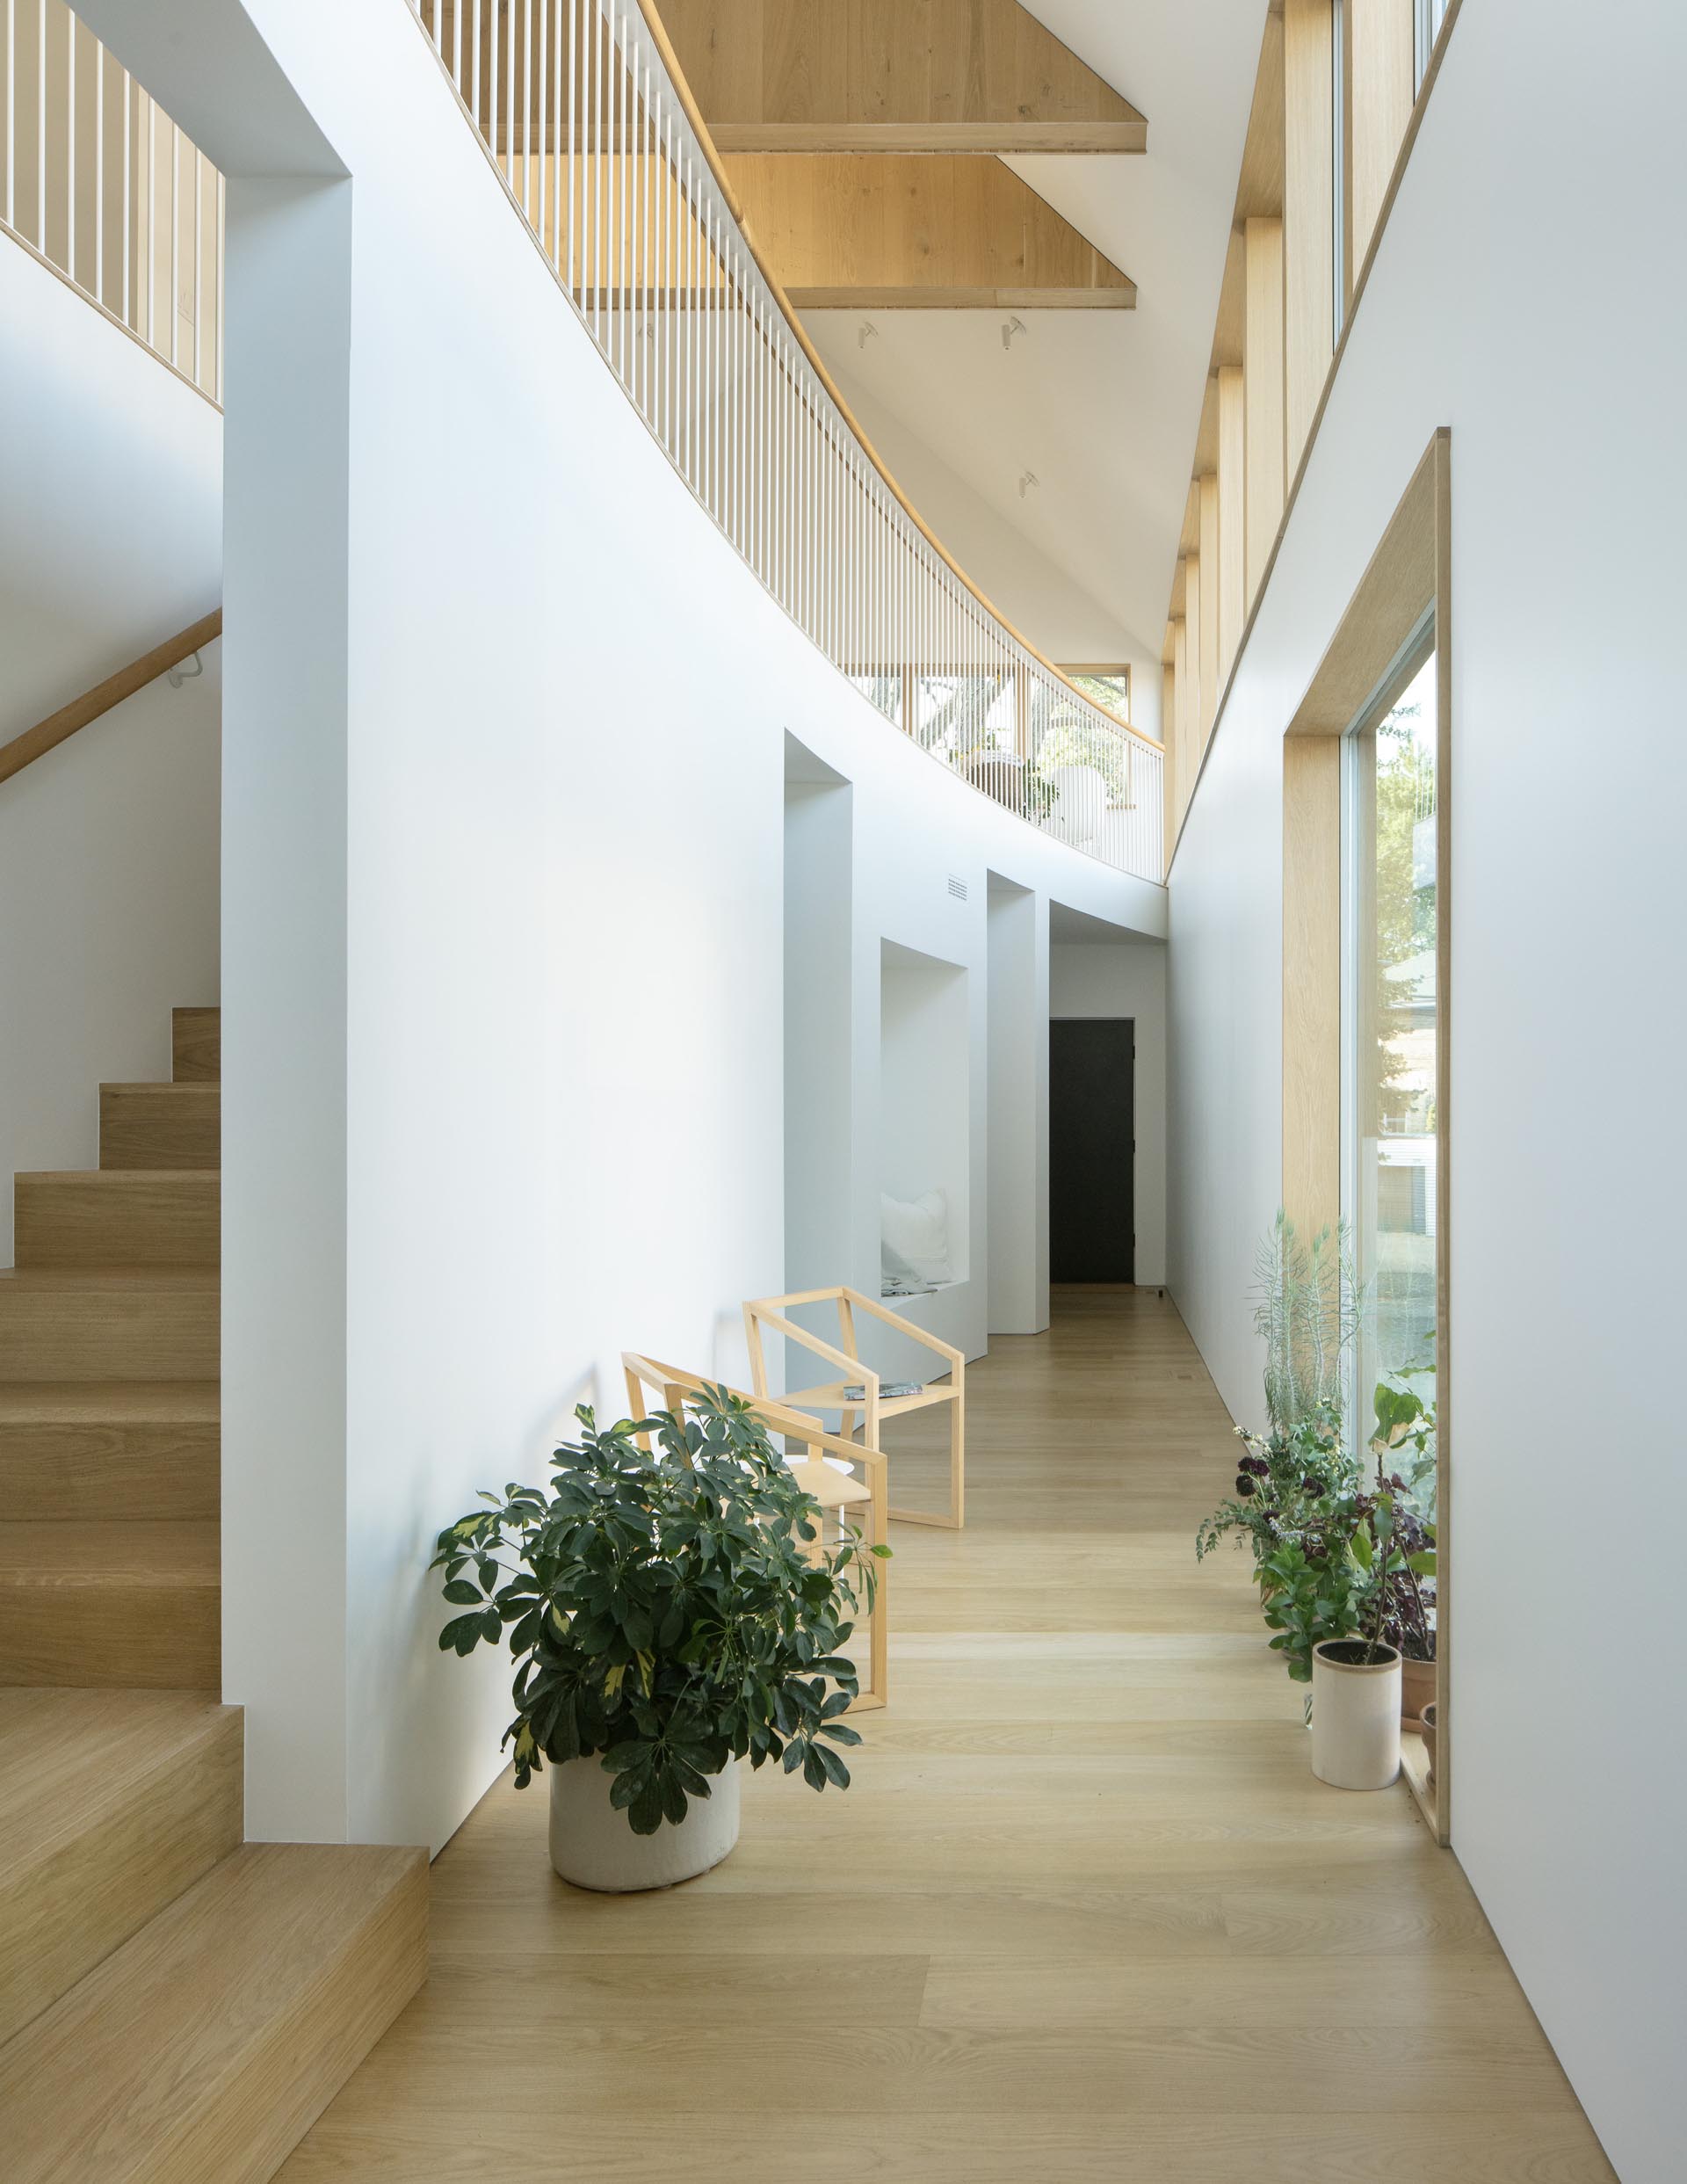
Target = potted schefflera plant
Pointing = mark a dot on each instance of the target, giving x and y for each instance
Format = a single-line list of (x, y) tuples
[(672, 1610)]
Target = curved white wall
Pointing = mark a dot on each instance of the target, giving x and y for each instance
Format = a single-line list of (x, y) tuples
[(1567, 784), (505, 732)]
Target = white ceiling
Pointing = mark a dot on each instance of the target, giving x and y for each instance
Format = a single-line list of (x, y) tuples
[(1102, 406)]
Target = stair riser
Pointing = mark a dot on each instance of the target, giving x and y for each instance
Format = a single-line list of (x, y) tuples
[(201, 2050), (196, 1044), (172, 1126), (308, 2053), (102, 1219), (60, 1916), (63, 1474), (132, 1333), (115, 1634)]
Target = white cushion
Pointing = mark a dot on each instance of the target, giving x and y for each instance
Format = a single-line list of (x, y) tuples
[(917, 1232)]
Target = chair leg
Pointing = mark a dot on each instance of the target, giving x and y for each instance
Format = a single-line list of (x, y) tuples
[(877, 1691), (958, 1456), (952, 1518)]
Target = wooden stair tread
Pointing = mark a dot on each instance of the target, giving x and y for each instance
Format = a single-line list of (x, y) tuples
[(113, 1218), (196, 1045), (112, 1281), (111, 1803), (203, 1093), (66, 1558), (171, 1124), (109, 1402), (113, 1178), (65, 1753), (199, 2051), (100, 1324), (88, 1450), (96, 1604)]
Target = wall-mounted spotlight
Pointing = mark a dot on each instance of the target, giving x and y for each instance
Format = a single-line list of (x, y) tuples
[(1028, 479), (1014, 326), (866, 332)]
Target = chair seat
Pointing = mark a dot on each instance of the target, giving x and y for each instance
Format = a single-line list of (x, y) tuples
[(831, 1488), (889, 1390), (838, 1395)]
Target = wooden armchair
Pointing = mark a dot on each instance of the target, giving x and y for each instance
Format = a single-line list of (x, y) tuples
[(843, 1498), (860, 1388)]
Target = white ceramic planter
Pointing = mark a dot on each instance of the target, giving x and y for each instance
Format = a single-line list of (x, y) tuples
[(593, 1845), (1355, 1719)]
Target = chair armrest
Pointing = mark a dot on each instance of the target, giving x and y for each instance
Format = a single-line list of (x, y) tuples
[(853, 1369), (956, 1357)]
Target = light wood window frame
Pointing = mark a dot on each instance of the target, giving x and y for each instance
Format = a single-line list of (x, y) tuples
[(1115, 671), (1410, 573)]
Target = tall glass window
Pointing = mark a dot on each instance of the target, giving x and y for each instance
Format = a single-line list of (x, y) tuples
[(1428, 15), (1390, 1024)]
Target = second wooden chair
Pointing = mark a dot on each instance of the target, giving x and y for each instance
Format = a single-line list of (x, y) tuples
[(858, 1388)]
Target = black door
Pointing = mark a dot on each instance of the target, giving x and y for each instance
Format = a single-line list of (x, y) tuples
[(1091, 1130)]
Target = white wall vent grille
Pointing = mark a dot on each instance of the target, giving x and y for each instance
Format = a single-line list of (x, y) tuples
[(958, 888)]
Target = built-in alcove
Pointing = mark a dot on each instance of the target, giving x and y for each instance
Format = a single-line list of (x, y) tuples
[(1016, 1109), (924, 1139), (819, 898)]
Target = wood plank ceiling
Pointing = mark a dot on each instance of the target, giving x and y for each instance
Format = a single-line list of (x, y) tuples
[(866, 141)]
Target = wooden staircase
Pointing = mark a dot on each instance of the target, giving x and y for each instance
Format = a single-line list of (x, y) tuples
[(176, 2005)]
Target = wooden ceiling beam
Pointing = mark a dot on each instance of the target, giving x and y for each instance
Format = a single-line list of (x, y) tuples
[(893, 75), (898, 232)]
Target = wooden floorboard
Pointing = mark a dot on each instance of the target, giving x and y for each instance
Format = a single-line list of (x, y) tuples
[(1085, 1917)]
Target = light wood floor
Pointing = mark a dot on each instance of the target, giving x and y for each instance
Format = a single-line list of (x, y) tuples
[(1084, 1916)]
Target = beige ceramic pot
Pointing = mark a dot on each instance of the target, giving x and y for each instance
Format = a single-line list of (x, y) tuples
[(1430, 1721), (1417, 1690), (1355, 1714), (593, 1845)]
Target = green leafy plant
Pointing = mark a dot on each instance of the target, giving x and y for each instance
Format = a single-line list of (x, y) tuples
[(1391, 1544), (1312, 1590), (671, 1608)]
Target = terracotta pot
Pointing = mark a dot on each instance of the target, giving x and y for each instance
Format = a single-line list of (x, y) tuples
[(593, 1845), (1416, 1689), (1355, 1716), (1427, 1724)]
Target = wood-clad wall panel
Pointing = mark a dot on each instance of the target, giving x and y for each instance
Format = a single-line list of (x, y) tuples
[(1233, 523), (1378, 54), (1312, 980), (1211, 608), (1266, 475), (1308, 214)]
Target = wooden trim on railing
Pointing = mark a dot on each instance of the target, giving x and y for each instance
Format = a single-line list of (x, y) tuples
[(59, 727), (694, 114)]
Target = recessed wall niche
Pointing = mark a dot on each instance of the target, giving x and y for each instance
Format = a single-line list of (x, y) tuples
[(925, 1166)]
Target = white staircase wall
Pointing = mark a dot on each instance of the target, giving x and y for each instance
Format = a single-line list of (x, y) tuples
[(111, 528)]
